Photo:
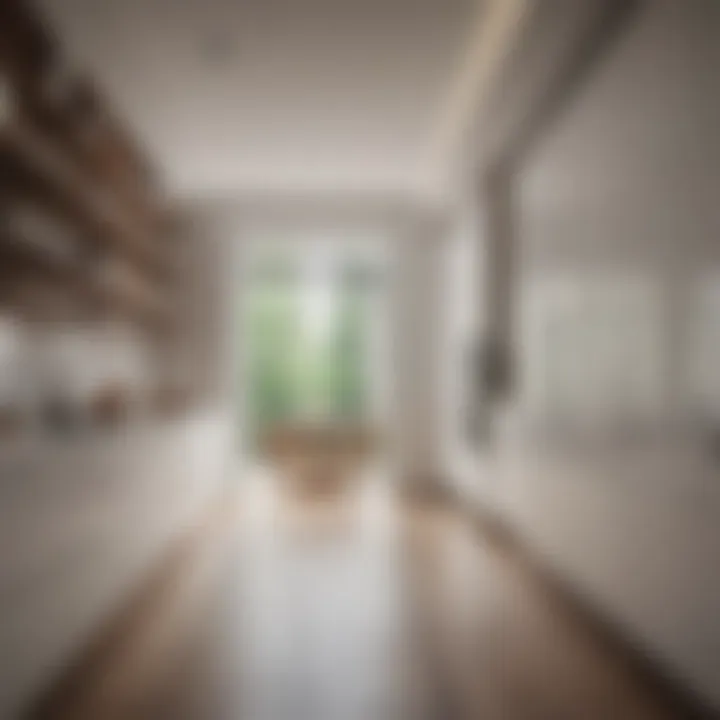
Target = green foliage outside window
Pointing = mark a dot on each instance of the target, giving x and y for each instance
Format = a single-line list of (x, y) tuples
[(294, 374)]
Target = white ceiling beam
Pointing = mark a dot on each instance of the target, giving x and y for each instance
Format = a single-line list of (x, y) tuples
[(494, 31)]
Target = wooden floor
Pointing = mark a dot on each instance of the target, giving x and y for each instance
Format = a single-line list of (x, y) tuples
[(354, 608)]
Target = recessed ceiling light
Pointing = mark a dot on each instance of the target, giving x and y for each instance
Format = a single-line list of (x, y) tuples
[(219, 49)]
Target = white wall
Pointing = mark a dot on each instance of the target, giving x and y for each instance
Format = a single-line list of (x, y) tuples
[(462, 311), (618, 330), (418, 348), (211, 269), (619, 198), (592, 350)]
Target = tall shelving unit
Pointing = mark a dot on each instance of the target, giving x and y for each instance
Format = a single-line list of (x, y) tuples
[(84, 232)]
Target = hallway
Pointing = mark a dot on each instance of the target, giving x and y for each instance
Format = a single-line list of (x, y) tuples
[(501, 226), (351, 607)]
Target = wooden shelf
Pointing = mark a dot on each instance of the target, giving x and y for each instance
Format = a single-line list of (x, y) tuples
[(73, 113), (27, 47), (40, 157), (24, 267), (80, 221)]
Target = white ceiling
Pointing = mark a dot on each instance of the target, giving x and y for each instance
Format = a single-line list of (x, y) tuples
[(275, 95)]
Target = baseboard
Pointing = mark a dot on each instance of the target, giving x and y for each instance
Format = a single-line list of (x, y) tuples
[(673, 693), (86, 668)]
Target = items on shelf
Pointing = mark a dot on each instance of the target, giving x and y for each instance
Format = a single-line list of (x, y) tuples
[(84, 234), (71, 175)]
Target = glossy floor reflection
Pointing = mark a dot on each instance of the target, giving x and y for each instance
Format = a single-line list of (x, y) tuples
[(353, 607)]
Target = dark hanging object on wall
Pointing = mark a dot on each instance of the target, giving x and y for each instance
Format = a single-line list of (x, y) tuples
[(62, 417), (491, 378), (494, 369)]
